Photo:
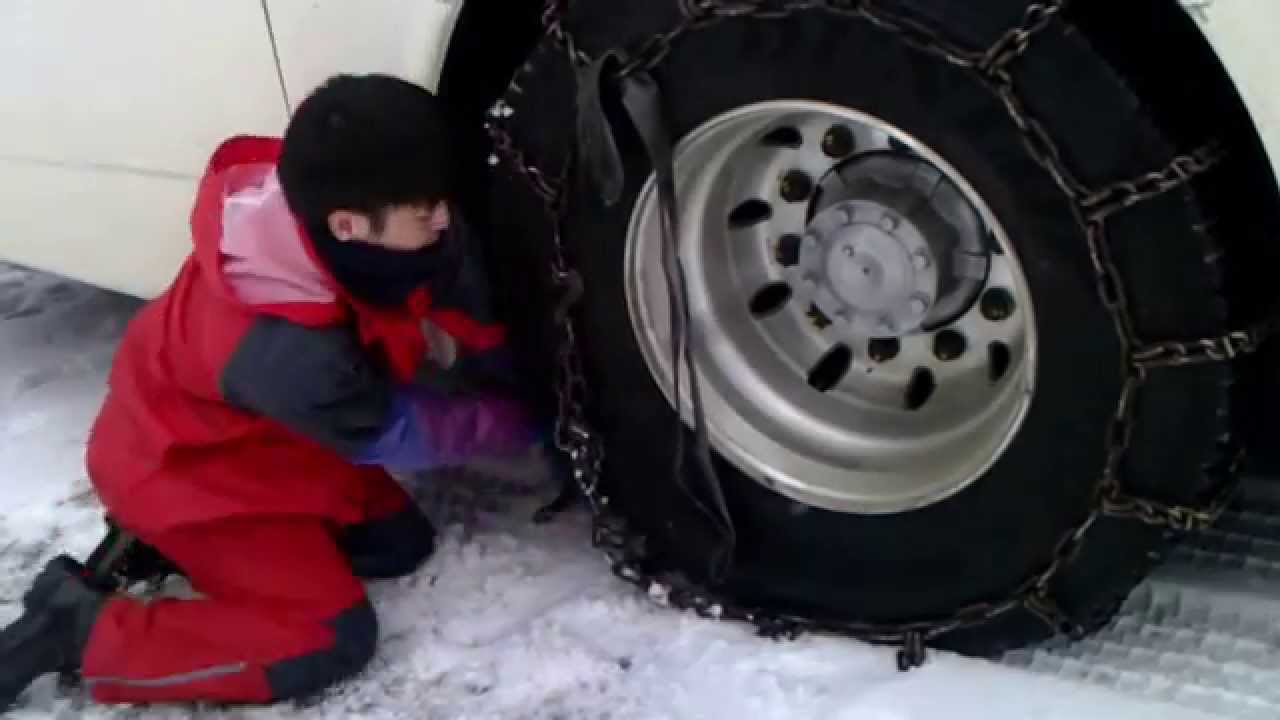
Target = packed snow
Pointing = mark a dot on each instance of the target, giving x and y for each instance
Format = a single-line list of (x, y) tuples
[(507, 620)]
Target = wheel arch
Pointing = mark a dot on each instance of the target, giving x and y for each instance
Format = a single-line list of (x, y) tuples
[(1192, 51), (481, 53), (477, 63), (1199, 69), (1234, 33)]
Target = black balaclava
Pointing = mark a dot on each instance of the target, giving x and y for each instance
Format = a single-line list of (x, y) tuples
[(385, 277)]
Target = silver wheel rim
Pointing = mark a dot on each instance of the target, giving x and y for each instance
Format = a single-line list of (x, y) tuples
[(895, 252)]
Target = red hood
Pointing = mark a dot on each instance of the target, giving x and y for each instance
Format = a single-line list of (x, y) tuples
[(249, 244)]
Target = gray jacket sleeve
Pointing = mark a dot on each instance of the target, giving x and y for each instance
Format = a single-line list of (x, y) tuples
[(316, 381)]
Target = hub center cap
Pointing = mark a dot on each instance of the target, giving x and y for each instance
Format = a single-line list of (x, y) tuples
[(869, 268)]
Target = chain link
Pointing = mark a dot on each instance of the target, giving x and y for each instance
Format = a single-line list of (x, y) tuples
[(626, 550), (1119, 196), (1015, 42), (1201, 351), (553, 13), (1117, 503)]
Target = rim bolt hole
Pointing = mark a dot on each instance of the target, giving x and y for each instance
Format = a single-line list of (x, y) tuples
[(750, 212), (831, 369), (997, 304), (883, 350), (785, 136), (787, 252), (898, 146), (795, 186), (770, 299), (838, 142), (998, 360), (919, 389), (949, 345)]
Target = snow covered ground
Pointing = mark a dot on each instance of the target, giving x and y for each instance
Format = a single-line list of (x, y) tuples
[(512, 620)]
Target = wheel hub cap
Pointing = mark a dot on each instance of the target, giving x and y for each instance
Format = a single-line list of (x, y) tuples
[(877, 273)]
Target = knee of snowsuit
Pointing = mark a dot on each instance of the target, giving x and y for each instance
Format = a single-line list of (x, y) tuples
[(259, 398), (355, 638)]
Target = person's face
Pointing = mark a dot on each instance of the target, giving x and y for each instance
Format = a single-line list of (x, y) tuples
[(403, 228)]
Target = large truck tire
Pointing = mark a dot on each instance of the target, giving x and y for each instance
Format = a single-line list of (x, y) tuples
[(907, 479)]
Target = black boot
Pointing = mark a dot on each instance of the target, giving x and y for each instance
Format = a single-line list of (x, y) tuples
[(61, 608), (144, 564)]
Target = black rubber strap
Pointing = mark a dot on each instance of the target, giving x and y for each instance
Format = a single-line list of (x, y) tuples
[(601, 162), (597, 148), (642, 99)]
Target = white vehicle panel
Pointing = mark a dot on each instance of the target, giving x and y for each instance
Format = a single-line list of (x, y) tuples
[(110, 112), (319, 38), (125, 231)]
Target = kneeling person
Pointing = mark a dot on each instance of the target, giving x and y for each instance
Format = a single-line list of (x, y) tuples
[(254, 408)]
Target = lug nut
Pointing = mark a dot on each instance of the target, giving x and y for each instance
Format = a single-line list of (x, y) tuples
[(795, 186), (817, 317), (949, 345), (889, 223), (886, 324), (848, 251), (920, 259), (997, 304), (838, 142), (883, 349), (918, 305)]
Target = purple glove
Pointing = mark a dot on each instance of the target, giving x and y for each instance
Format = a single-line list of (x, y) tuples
[(427, 429)]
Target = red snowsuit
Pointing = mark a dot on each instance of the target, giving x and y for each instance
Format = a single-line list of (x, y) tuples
[(202, 452)]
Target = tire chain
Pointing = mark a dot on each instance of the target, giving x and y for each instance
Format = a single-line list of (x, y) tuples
[(625, 549)]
